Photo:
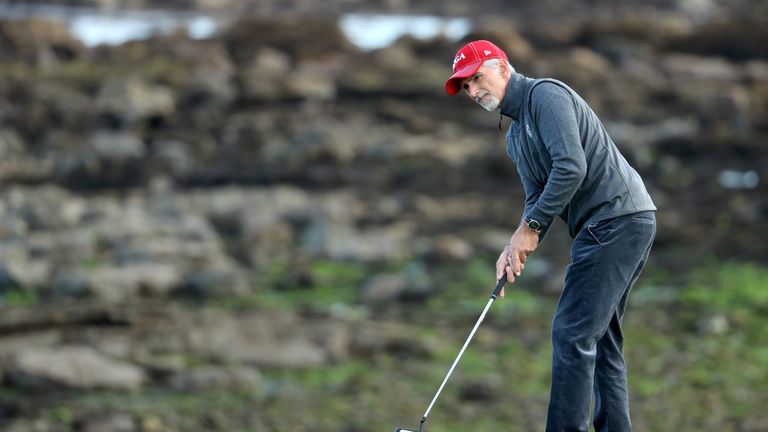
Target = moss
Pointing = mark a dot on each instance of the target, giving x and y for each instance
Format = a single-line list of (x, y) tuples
[(728, 287), (90, 263), (20, 298), (682, 377)]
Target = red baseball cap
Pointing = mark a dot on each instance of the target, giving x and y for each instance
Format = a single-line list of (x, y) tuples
[(469, 59)]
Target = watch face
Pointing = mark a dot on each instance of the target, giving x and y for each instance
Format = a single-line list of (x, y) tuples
[(534, 225)]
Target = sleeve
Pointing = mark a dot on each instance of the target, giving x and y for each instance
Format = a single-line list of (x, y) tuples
[(554, 114), (532, 193)]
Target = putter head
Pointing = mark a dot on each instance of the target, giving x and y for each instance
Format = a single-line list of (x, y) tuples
[(404, 430)]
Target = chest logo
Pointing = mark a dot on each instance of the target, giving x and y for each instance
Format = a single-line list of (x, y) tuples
[(528, 130)]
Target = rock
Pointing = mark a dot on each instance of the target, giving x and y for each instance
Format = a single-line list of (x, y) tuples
[(212, 83), (341, 206), (341, 241), (13, 228), (479, 390), (173, 236), (153, 423), (270, 62), (638, 142), (225, 208), (134, 99), (71, 105), (456, 152), (412, 282), (15, 162), (493, 240), (38, 41), (267, 340), (311, 81), (268, 243), (107, 422), (398, 70), (60, 315), (731, 39), (45, 208), (211, 377), (118, 341), (757, 71), (246, 138), (234, 209), (315, 38), (452, 248), (757, 424), (454, 208), (65, 248), (723, 109), (332, 142), (554, 34), (175, 158), (688, 67), (365, 79), (76, 367), (109, 159), (406, 114), (19, 341), (261, 221), (20, 271), (590, 63), (383, 288), (210, 282), (701, 10), (265, 74), (116, 284), (391, 338), (398, 56), (514, 44)]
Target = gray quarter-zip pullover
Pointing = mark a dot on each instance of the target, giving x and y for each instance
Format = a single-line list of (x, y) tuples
[(568, 164)]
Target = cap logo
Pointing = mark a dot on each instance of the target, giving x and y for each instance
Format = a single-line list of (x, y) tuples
[(458, 58), (486, 52)]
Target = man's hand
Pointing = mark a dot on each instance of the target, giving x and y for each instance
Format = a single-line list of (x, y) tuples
[(511, 262)]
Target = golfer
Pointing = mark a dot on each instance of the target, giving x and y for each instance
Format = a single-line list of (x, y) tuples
[(570, 167)]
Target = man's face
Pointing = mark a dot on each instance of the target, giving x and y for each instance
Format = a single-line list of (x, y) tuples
[(486, 86)]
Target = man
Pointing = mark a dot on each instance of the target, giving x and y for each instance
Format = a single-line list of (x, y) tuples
[(570, 167)]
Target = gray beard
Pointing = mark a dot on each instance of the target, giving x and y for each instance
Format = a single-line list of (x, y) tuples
[(489, 103)]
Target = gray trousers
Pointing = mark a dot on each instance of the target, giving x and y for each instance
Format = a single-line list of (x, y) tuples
[(587, 340)]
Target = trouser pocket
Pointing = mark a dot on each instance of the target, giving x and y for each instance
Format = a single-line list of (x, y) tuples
[(603, 231)]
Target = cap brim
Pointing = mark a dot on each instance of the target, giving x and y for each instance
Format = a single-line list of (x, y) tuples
[(453, 85)]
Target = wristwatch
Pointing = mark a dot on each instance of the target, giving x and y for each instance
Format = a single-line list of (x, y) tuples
[(533, 225)]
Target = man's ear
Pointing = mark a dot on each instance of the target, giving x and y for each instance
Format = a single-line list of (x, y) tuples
[(504, 69)]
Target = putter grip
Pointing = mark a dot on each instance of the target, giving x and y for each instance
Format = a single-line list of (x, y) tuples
[(499, 286)]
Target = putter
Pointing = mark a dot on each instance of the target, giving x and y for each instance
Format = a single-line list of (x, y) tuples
[(495, 294)]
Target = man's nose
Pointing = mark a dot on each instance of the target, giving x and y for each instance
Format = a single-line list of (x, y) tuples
[(472, 89)]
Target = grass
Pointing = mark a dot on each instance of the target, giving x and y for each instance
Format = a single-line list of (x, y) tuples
[(333, 285), (19, 298), (729, 288), (697, 360), (684, 375), (86, 73)]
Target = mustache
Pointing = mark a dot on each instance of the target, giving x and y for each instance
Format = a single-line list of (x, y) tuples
[(480, 97)]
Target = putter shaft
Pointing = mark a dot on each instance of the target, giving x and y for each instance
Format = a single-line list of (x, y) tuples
[(495, 294)]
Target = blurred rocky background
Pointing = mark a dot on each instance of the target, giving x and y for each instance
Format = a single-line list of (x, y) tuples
[(268, 216)]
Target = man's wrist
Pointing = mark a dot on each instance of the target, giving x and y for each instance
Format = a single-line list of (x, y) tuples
[(532, 224)]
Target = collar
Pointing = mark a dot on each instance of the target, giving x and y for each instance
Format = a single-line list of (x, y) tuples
[(513, 97)]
